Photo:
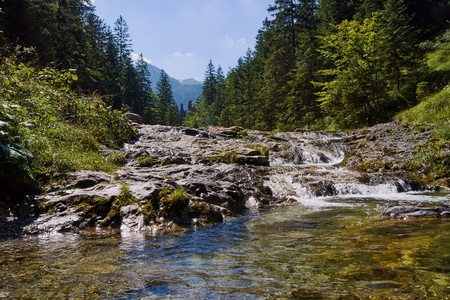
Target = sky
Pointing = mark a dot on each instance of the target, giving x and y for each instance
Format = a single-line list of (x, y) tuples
[(181, 36)]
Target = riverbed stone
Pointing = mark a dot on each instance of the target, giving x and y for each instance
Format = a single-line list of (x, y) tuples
[(218, 173), (132, 218), (134, 118), (409, 211)]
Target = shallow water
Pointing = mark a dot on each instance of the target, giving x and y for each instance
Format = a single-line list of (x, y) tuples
[(340, 251)]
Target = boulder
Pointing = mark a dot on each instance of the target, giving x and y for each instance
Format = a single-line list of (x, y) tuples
[(134, 118), (408, 211), (132, 218)]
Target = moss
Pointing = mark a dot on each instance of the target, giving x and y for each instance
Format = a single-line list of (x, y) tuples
[(242, 134), (148, 211), (198, 210), (118, 158), (172, 202), (125, 198), (165, 162), (263, 150), (201, 210), (145, 161), (96, 206), (227, 158)]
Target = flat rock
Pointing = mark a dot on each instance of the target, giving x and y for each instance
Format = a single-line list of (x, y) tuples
[(405, 211)]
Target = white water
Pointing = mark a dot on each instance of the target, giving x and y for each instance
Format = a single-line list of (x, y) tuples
[(293, 178)]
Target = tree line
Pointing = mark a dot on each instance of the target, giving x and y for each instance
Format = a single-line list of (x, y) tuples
[(68, 35), (329, 64)]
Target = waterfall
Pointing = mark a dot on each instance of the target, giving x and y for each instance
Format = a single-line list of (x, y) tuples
[(307, 170)]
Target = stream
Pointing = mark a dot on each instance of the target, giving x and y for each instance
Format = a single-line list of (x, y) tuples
[(330, 243)]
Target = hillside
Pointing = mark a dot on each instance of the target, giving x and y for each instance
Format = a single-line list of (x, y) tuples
[(183, 90)]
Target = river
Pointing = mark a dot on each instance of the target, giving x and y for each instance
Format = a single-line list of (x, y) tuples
[(329, 246), (341, 251)]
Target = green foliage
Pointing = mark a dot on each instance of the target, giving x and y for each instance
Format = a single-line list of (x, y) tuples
[(46, 128), (172, 202), (435, 105), (145, 161), (433, 160), (125, 198)]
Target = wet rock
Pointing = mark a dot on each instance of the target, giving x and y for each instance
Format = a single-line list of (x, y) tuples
[(177, 176), (132, 218), (405, 211), (385, 147)]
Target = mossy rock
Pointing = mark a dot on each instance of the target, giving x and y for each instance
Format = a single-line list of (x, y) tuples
[(96, 206), (203, 211), (145, 161), (173, 202)]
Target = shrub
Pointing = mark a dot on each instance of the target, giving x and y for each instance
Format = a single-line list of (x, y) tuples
[(46, 128)]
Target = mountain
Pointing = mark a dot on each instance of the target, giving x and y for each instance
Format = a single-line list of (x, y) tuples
[(183, 90), (190, 81)]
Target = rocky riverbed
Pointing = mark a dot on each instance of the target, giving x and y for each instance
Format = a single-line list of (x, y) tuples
[(177, 177)]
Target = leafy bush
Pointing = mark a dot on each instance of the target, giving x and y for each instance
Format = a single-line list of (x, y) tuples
[(46, 128)]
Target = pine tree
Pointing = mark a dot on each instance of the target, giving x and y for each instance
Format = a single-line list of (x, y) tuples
[(122, 39), (146, 97), (210, 84), (167, 112)]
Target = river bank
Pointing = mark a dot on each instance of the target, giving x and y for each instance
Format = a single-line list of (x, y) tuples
[(177, 177)]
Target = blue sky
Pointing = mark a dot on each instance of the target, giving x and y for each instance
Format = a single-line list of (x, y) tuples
[(181, 36)]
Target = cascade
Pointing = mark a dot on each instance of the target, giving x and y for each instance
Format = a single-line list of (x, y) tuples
[(308, 171)]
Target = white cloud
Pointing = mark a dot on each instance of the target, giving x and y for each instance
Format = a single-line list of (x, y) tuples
[(179, 54), (135, 56), (229, 40)]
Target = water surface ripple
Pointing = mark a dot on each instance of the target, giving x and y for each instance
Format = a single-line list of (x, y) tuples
[(294, 252)]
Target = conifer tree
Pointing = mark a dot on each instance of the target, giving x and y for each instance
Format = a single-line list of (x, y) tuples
[(167, 112), (145, 104)]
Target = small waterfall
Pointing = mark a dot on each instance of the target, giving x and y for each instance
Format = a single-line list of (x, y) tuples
[(307, 171), (313, 149)]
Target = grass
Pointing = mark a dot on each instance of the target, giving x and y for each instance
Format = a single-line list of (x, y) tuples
[(434, 108), (46, 128)]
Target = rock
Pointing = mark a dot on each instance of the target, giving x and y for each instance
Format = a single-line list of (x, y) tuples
[(385, 147), (177, 176), (231, 132), (134, 118), (405, 211), (132, 218), (87, 179)]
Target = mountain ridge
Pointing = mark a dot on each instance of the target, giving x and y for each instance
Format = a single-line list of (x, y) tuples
[(184, 90)]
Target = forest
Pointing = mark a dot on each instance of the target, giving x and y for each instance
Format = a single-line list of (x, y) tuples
[(66, 77), (330, 65)]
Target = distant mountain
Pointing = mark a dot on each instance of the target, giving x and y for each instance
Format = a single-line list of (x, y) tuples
[(190, 81), (183, 90)]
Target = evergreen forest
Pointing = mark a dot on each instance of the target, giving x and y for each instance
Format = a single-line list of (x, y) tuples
[(330, 65), (66, 77)]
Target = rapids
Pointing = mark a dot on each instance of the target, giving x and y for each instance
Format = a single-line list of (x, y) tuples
[(329, 242)]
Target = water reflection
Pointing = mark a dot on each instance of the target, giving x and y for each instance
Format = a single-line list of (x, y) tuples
[(288, 252)]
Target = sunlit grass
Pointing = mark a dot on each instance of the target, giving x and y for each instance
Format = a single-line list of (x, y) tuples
[(63, 131)]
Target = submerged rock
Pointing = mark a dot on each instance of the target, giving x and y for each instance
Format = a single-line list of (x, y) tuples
[(405, 211)]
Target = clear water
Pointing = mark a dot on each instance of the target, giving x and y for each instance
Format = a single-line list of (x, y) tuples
[(340, 251), (320, 248)]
